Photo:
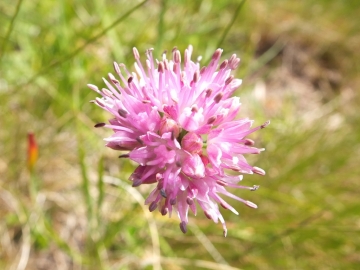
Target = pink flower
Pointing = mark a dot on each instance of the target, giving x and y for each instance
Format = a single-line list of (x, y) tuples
[(178, 123)]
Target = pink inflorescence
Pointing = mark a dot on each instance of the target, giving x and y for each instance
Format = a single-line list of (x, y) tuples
[(178, 123)]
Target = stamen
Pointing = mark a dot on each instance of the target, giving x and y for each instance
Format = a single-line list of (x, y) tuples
[(124, 156), (254, 188), (93, 87), (221, 183), (122, 113), (177, 57), (218, 97), (130, 80), (232, 58), (99, 102), (137, 182), (107, 92), (161, 67), (136, 53), (224, 206), (251, 204), (211, 120), (116, 67), (249, 142), (196, 76), (207, 215), (163, 193), (115, 81), (224, 64), (166, 64), (194, 108), (229, 80), (186, 57), (173, 201), (217, 54), (265, 124), (208, 93), (189, 201), (258, 170), (164, 211), (183, 226), (99, 125), (153, 206), (234, 63)]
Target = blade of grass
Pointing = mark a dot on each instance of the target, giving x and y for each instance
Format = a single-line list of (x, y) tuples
[(93, 247), (25, 248), (69, 56), (12, 22), (266, 57), (288, 231), (85, 180), (160, 38), (208, 245), (100, 184), (197, 263), (231, 23), (152, 225), (54, 236)]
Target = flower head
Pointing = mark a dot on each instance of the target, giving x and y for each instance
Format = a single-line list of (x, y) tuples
[(178, 123)]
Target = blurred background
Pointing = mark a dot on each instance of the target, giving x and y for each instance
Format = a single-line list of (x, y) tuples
[(65, 199)]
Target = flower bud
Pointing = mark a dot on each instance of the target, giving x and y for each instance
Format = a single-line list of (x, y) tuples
[(193, 166), (192, 143), (32, 151), (169, 125)]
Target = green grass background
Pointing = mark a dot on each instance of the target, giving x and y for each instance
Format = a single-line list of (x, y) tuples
[(77, 210)]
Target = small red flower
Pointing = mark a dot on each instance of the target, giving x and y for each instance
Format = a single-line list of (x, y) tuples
[(32, 152)]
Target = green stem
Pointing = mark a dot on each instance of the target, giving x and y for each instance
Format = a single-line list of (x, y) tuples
[(231, 23), (6, 39)]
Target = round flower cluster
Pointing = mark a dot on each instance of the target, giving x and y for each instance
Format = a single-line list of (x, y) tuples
[(178, 123)]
